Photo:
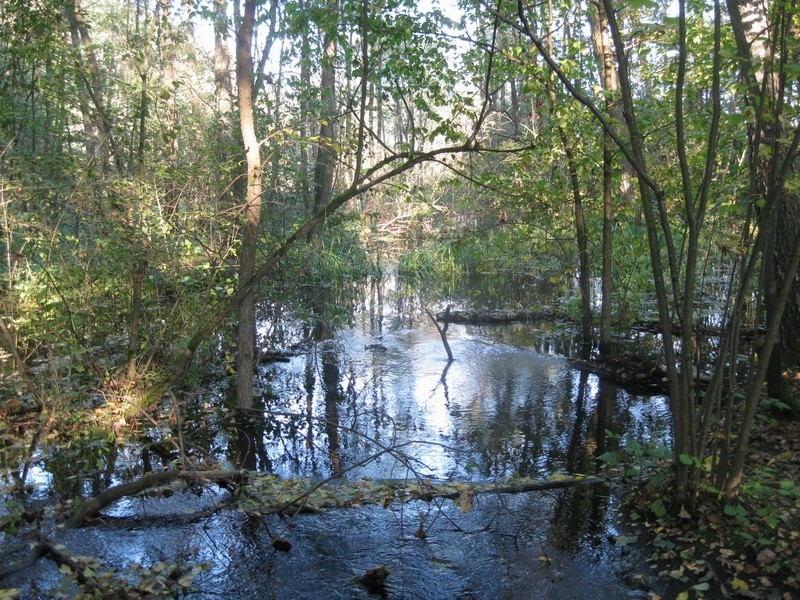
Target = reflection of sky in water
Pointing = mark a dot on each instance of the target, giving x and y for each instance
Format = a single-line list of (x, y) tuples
[(510, 403), (498, 409)]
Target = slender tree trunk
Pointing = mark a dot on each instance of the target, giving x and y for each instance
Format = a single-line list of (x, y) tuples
[(139, 254), (305, 88), (580, 222), (604, 52), (93, 84), (223, 89), (362, 109), (90, 135), (252, 207), (326, 149), (170, 148), (652, 208)]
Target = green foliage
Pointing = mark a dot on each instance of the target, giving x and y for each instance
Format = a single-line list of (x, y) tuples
[(432, 262), (747, 544), (635, 460)]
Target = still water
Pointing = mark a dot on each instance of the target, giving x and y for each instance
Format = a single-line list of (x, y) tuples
[(379, 399)]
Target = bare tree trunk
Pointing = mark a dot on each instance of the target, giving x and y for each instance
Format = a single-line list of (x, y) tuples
[(604, 51), (362, 109), (93, 83), (139, 253), (170, 149), (223, 88), (91, 138), (252, 207), (326, 149), (652, 208), (305, 87), (580, 222)]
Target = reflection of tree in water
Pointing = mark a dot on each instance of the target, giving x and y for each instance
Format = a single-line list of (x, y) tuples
[(248, 448), (332, 392), (519, 436), (84, 468), (580, 515)]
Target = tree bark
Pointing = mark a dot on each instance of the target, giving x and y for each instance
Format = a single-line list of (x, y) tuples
[(223, 88), (326, 148), (91, 507), (604, 52), (252, 207), (93, 83)]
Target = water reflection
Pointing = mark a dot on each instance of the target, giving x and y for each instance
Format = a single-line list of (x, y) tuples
[(509, 404)]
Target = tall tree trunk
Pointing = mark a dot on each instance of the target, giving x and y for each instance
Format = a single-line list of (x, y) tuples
[(652, 203), (228, 193), (305, 88), (362, 108), (759, 36), (223, 89), (138, 267), (170, 148), (581, 235), (604, 52), (326, 149), (252, 207), (92, 141), (93, 83)]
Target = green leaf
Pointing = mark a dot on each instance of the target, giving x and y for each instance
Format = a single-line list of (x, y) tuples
[(658, 508), (611, 458), (772, 522)]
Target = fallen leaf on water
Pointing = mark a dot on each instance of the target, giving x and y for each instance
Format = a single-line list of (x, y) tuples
[(374, 578), (281, 544)]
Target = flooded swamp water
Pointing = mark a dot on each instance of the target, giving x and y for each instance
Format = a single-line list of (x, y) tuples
[(510, 404)]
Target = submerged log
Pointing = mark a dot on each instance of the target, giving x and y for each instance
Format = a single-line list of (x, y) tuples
[(490, 316), (631, 373)]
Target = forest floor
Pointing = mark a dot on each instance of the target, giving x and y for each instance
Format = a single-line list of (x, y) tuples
[(747, 548)]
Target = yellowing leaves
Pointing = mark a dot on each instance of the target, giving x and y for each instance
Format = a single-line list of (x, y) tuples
[(739, 585)]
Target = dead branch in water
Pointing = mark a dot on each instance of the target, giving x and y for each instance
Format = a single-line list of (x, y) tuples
[(94, 505), (443, 331)]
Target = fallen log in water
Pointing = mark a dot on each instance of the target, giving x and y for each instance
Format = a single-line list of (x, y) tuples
[(269, 494), (632, 373), (94, 505), (496, 316)]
